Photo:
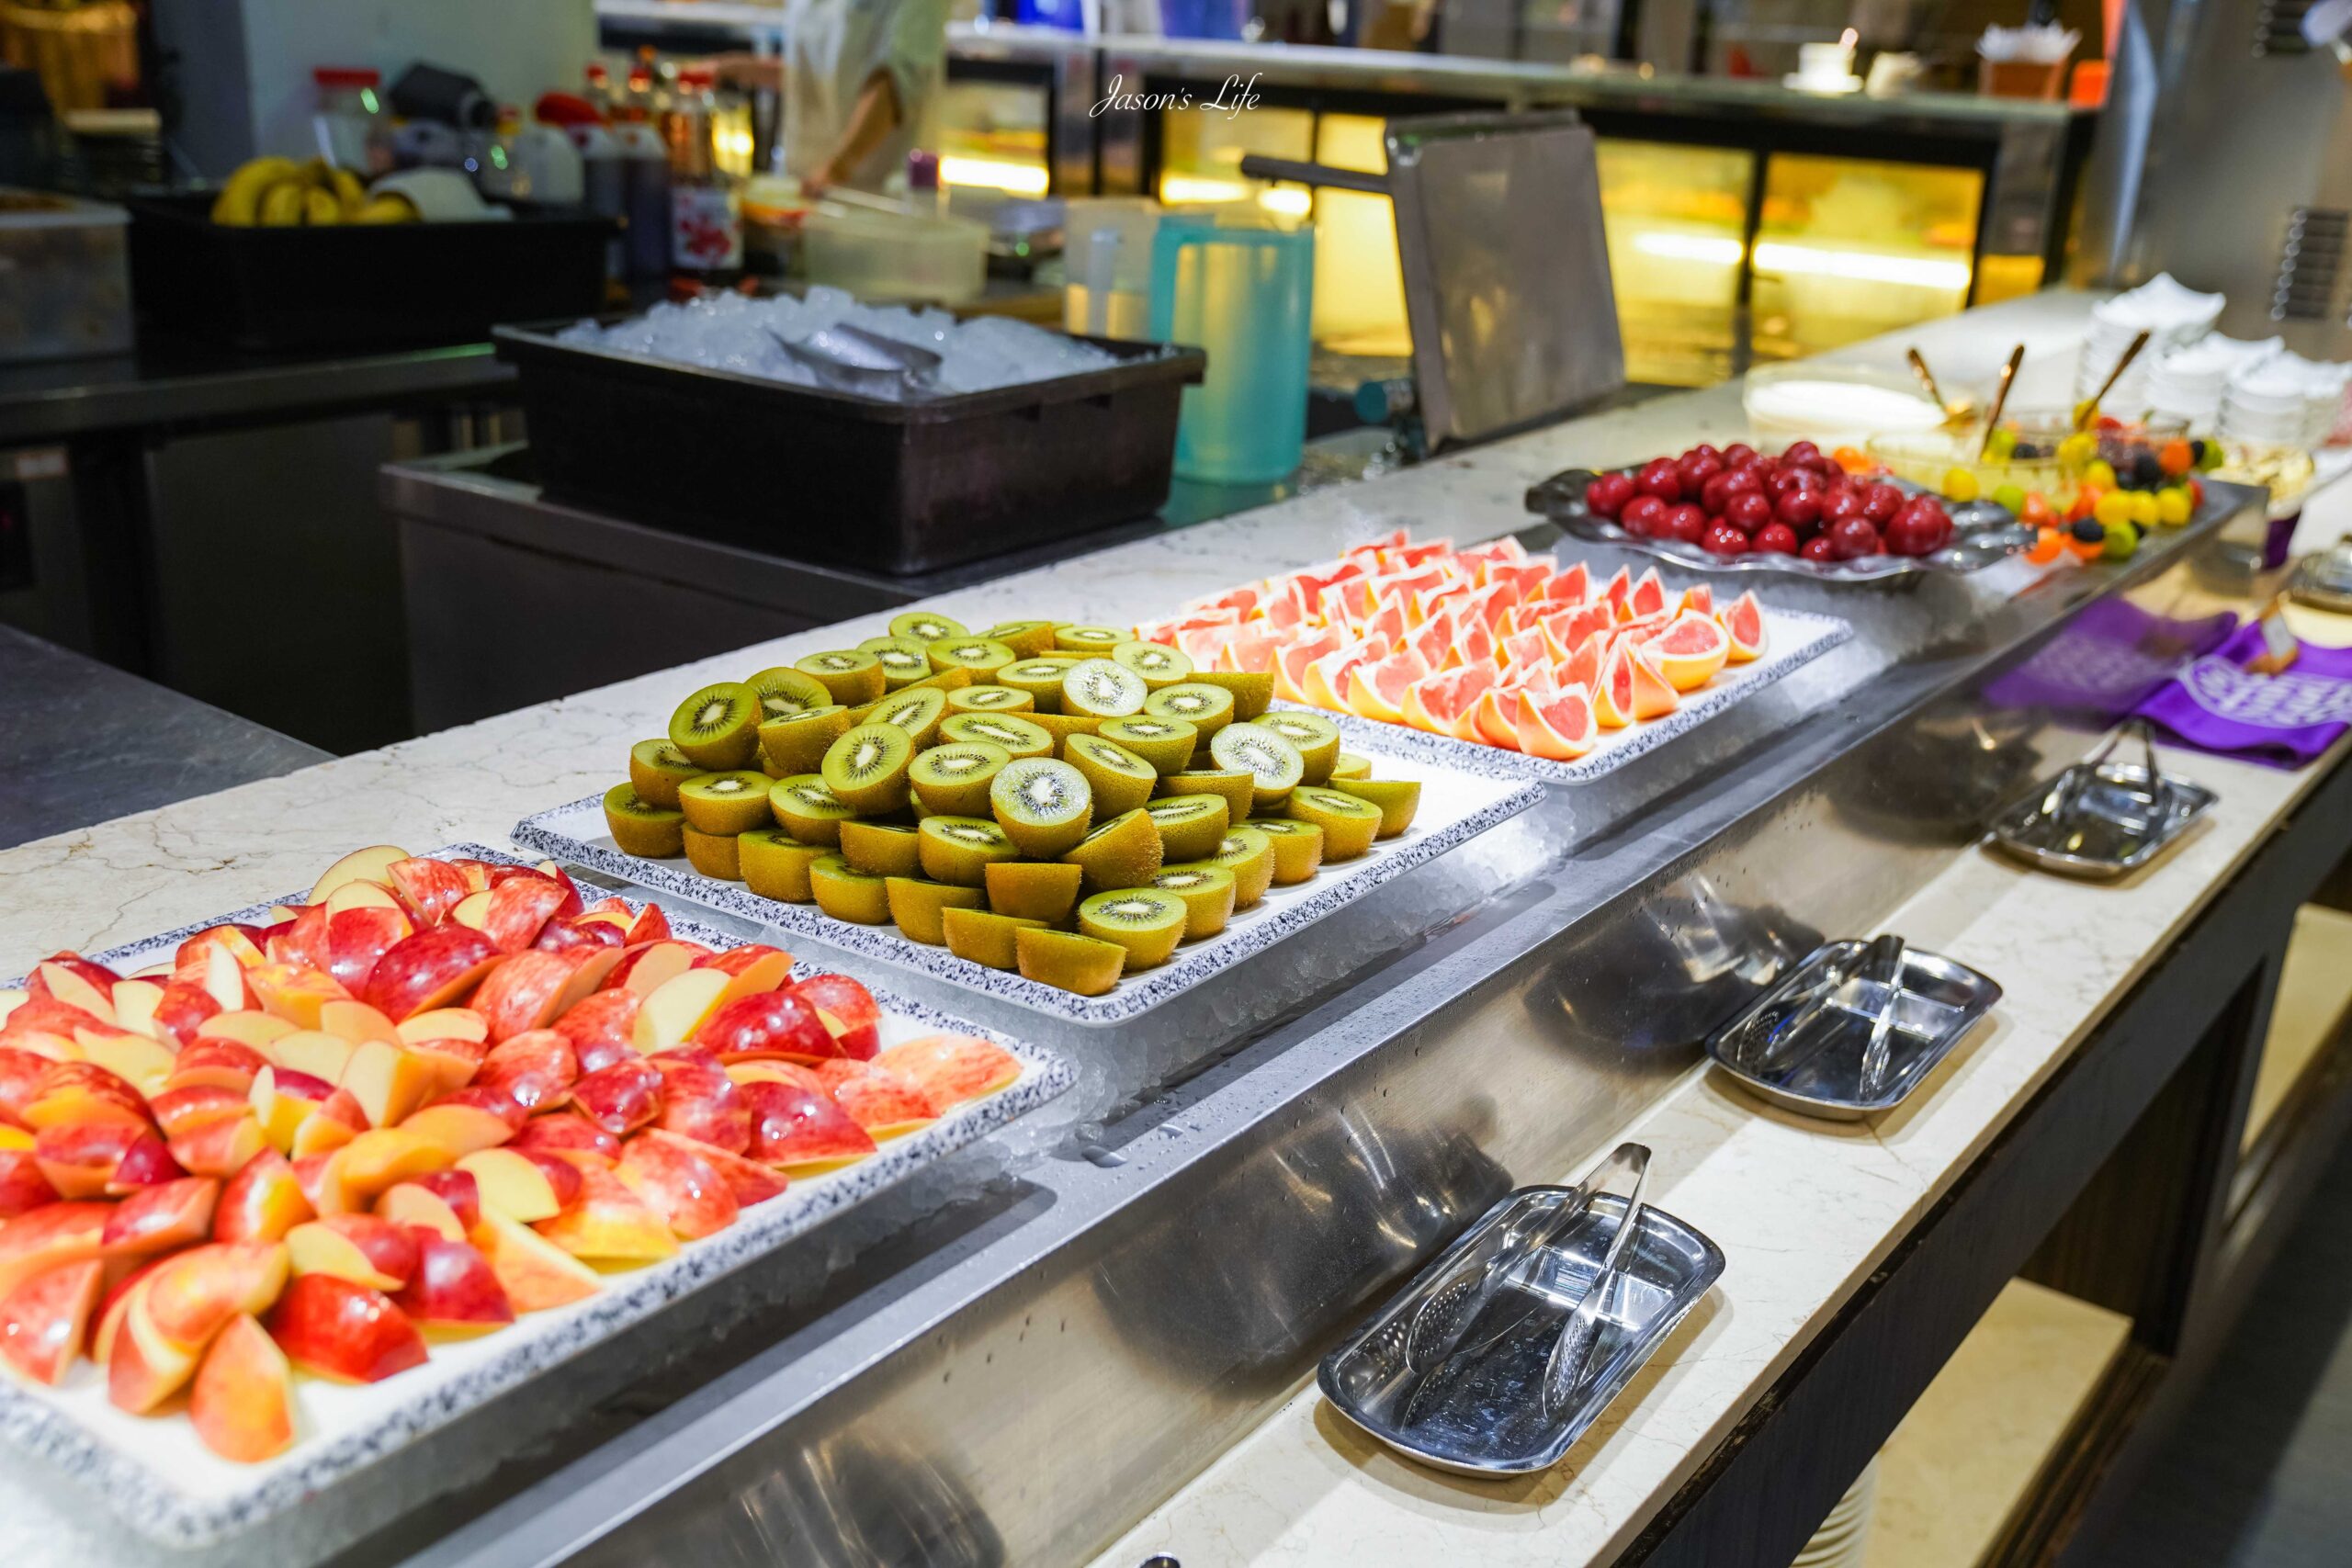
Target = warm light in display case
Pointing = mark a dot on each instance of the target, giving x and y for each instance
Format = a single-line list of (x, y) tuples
[(1848, 248)]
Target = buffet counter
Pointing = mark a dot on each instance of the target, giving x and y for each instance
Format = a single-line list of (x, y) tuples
[(1115, 1309)]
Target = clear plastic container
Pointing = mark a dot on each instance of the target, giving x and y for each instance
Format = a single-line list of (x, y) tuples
[(1834, 405), (1106, 261), (887, 257), (64, 278), (353, 132)]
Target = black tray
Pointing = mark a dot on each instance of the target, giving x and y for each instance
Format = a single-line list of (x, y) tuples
[(358, 286), (899, 487)]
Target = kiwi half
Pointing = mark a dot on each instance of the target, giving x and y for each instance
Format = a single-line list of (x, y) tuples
[(1205, 707), (1122, 852), (1273, 763), (953, 778), (851, 677), (1018, 733), (925, 625), (713, 854), (717, 728), (1237, 789), (1121, 780), (1165, 743), (725, 804), (1089, 639), (991, 699), (1146, 921), (784, 692), (983, 657), (848, 894), (805, 808), (1046, 807), (1069, 962), (918, 712), (1060, 726), (886, 849), (1191, 825), (1316, 739), (959, 850), (1298, 847), (1159, 664), (945, 680), (982, 935), (1027, 639), (1398, 800), (1041, 678), (915, 906), (1253, 690), (867, 768), (1248, 854), (640, 828), (1348, 765), (1103, 689), (903, 659), (1207, 893), (796, 743), (1348, 822), (656, 768), (776, 864), (1033, 890)]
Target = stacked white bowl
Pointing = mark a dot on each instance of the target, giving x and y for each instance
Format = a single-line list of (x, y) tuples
[(2269, 405), (2324, 386), (2188, 383), (1845, 1535), (2173, 316)]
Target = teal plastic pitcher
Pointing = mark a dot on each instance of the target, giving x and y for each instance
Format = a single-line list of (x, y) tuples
[(1244, 291)]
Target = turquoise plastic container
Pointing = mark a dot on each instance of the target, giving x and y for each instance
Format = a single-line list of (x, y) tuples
[(1244, 291)]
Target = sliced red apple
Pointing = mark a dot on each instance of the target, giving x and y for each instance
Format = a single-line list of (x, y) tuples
[(242, 1402)]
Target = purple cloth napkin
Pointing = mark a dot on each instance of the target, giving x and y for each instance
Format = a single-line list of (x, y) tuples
[(2285, 720)]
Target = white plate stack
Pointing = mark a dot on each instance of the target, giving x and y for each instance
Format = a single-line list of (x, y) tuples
[(2287, 401), (1846, 1533), (2188, 383), (2172, 315)]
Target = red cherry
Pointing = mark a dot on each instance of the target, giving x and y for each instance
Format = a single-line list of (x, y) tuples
[(1748, 512), (1799, 451), (1737, 454), (1608, 494), (1774, 539), (1715, 494), (1642, 516), (1697, 469), (1881, 503), (1658, 478), (1737, 481), (1854, 538), (1819, 548), (1914, 534), (1841, 504), (1799, 509), (1706, 449), (1722, 540), (1687, 523)]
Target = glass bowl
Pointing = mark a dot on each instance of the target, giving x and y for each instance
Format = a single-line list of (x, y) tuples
[(1928, 460), (1834, 405)]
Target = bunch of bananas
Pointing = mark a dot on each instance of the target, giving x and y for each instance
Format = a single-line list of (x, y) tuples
[(278, 193)]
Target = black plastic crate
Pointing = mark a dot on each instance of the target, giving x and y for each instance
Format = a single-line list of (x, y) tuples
[(358, 286), (825, 476)]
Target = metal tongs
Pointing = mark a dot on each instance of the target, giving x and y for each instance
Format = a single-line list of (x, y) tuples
[(2068, 787), (851, 359)]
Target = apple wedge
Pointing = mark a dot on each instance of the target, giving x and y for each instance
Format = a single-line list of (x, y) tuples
[(242, 1403), (609, 1223), (332, 1329), (411, 1206), (373, 863), (678, 1184), (952, 1068), (161, 1218), (536, 1274), (261, 1202), (198, 1291), (366, 1249), (44, 1319), (454, 1290), (675, 1008), (524, 1185)]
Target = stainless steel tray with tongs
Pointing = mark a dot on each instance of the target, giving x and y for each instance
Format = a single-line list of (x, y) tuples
[(1852, 1029), (2102, 818), (1495, 1359)]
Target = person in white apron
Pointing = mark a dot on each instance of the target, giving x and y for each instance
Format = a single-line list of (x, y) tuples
[(860, 81)]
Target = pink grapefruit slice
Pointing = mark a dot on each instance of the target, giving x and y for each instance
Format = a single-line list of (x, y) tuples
[(1689, 650), (1614, 592), (1573, 586), (1613, 698), (1646, 597), (1326, 682), (1290, 664), (1743, 619), (1446, 703), (1582, 668), (1497, 716), (1377, 690), (1654, 695), (1563, 729), (1521, 650), (1701, 599)]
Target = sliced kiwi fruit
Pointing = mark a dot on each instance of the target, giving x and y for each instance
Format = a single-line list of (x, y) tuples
[(1253, 690), (782, 692), (1207, 893), (1273, 763), (1165, 743), (954, 777), (990, 699), (1121, 780), (805, 808), (1159, 664), (1018, 733), (1026, 638), (886, 849), (1348, 765), (1146, 921), (796, 743), (713, 854), (1062, 726), (1316, 739), (848, 894), (852, 676), (945, 680), (959, 850), (1248, 854), (776, 864), (926, 626), (725, 804), (656, 768), (719, 726), (1237, 789), (982, 935), (1298, 847), (1070, 962), (916, 904), (982, 656), (867, 768), (1205, 707), (1102, 689), (1398, 800), (1191, 825), (1122, 852), (640, 828), (1348, 822), (903, 660), (1089, 639), (1033, 890), (1044, 805), (918, 712), (1041, 678)]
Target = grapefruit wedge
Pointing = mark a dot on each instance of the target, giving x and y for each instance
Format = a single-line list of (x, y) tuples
[(1522, 649), (1377, 690), (1654, 695), (1497, 716), (1561, 728), (1446, 703), (1646, 597), (1701, 599), (1613, 698), (1290, 663), (1743, 619), (1582, 668), (1573, 586), (1474, 644), (1326, 682), (1614, 592), (1689, 650)]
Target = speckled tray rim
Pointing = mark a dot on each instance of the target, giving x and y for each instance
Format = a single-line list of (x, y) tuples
[(146, 1499), (1815, 635), (1130, 999)]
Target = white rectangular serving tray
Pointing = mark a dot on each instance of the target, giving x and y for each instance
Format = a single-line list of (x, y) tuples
[(159, 1477), (1794, 638), (1456, 805)]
